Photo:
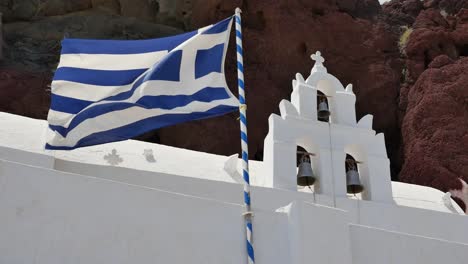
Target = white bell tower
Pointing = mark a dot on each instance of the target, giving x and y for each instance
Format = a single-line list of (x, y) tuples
[(330, 140)]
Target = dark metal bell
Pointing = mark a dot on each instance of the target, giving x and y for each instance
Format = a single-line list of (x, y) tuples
[(305, 175), (352, 182), (323, 112)]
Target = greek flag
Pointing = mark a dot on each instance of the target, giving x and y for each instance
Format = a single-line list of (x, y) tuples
[(112, 90)]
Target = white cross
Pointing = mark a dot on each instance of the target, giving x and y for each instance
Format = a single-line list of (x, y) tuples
[(317, 57), (113, 158), (148, 153), (318, 66)]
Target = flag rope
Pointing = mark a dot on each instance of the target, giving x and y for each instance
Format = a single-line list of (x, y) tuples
[(243, 133)]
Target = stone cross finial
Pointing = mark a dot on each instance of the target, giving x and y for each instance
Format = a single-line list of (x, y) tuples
[(319, 60), (317, 57)]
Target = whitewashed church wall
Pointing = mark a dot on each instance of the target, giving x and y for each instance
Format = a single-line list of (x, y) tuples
[(270, 237), (21, 132), (324, 234), (49, 216), (262, 198), (280, 161), (53, 217), (215, 190), (26, 157), (410, 220), (270, 199), (304, 99), (346, 102), (371, 245), (379, 185)]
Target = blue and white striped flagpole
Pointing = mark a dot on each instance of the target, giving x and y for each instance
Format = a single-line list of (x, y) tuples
[(244, 142)]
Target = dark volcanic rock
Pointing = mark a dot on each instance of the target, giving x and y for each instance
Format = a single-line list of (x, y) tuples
[(435, 97), (360, 8), (24, 93), (21, 10), (61, 7), (435, 128), (143, 9), (430, 39), (402, 12), (440, 61), (36, 45), (449, 6)]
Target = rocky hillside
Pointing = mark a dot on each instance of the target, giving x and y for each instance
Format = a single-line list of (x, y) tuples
[(406, 60)]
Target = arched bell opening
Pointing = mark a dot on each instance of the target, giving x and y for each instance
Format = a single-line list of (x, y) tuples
[(323, 107), (353, 181), (305, 174)]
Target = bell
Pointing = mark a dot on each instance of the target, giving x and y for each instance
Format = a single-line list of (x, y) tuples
[(305, 175), (323, 112), (352, 181)]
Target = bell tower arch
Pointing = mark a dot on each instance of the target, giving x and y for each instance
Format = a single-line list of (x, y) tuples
[(330, 142)]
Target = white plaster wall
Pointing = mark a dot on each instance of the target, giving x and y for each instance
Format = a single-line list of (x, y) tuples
[(22, 133), (322, 232), (263, 199), (52, 217), (270, 237), (371, 245), (27, 157), (49, 216), (304, 100), (421, 222)]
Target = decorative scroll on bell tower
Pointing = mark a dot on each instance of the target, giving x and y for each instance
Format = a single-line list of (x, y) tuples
[(332, 139)]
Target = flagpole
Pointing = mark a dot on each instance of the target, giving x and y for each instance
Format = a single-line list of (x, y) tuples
[(244, 143)]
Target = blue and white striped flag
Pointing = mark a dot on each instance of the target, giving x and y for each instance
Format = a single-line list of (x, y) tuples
[(111, 90)]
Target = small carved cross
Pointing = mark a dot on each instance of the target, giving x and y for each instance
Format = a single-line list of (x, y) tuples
[(148, 153), (113, 158), (317, 57)]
